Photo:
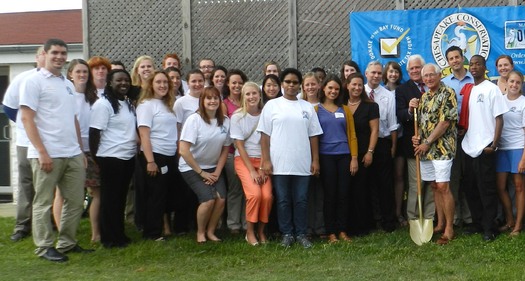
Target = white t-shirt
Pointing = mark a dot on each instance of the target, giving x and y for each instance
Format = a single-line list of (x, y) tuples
[(290, 124), (184, 107), (12, 100), (512, 136), (241, 127), (185, 87), (100, 92), (118, 136), (53, 100), (155, 115), (206, 141), (84, 117), (485, 104)]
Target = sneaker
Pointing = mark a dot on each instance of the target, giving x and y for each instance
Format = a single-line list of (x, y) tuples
[(303, 240), (287, 240), (19, 235)]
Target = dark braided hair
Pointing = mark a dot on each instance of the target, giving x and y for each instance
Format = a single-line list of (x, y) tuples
[(111, 96)]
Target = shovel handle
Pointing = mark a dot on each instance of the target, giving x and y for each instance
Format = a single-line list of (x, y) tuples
[(418, 167)]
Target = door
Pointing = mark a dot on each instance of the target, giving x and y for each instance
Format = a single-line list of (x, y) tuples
[(5, 137)]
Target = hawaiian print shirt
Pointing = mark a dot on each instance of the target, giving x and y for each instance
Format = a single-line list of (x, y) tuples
[(434, 108)]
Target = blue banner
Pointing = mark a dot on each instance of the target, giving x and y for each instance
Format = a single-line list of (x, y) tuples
[(396, 35)]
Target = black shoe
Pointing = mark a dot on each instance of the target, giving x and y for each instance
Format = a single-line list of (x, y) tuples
[(78, 249), (489, 237), (472, 229), (19, 235), (53, 255)]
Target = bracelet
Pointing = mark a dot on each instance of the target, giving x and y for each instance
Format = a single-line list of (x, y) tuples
[(371, 151), (151, 162), (201, 172)]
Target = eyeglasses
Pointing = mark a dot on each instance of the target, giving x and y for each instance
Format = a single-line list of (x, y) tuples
[(207, 67), (293, 82), (430, 75)]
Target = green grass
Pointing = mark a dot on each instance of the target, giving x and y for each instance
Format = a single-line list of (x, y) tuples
[(378, 256)]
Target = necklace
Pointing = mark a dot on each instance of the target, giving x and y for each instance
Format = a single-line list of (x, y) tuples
[(236, 103), (354, 103)]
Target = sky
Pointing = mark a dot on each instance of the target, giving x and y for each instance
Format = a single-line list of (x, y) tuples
[(16, 6)]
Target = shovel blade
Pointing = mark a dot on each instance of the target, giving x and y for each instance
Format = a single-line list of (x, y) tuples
[(421, 230)]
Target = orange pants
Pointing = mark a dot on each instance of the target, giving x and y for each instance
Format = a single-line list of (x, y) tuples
[(258, 197)]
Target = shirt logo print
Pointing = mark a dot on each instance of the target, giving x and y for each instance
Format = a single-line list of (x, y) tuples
[(305, 115), (480, 98)]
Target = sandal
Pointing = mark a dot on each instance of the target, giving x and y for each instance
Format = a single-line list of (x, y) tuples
[(506, 228), (332, 239), (443, 240), (515, 233)]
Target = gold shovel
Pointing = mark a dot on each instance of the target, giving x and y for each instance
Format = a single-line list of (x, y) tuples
[(421, 229)]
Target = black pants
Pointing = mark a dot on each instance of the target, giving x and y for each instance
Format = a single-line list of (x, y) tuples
[(381, 180), (115, 175), (156, 191), (480, 190), (360, 219), (335, 174)]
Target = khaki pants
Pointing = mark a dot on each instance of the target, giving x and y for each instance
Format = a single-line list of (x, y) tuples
[(69, 175), (26, 192), (427, 195)]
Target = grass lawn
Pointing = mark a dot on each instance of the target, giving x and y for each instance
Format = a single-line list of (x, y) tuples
[(379, 256)]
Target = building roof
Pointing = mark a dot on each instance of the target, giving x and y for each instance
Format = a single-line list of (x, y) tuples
[(36, 27)]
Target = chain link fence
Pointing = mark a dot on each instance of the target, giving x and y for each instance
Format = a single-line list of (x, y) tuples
[(241, 34)]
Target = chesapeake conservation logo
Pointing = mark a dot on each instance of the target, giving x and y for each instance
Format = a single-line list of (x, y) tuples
[(462, 30), (393, 41)]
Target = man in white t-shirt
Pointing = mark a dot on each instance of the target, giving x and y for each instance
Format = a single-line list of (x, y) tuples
[(26, 191), (48, 109), (485, 122)]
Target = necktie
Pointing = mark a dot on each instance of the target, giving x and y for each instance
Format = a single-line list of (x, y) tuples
[(422, 87), (372, 94)]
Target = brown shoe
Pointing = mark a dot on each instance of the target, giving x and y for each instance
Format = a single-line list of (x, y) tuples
[(332, 239), (344, 237), (443, 240)]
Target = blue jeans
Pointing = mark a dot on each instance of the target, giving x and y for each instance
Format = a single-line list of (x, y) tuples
[(292, 199)]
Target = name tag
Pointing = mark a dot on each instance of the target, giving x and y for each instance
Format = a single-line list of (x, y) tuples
[(339, 115)]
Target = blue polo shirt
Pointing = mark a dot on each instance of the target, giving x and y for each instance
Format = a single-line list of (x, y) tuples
[(457, 85)]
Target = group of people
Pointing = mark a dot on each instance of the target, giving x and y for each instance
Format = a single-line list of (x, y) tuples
[(318, 154)]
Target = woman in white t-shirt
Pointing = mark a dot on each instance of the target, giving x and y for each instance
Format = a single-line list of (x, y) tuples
[(86, 94), (113, 140), (188, 104), (510, 157), (142, 70), (311, 87), (289, 128), (176, 79), (157, 127), (203, 145), (256, 185)]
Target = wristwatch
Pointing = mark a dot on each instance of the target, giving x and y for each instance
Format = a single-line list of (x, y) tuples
[(495, 148), (425, 141)]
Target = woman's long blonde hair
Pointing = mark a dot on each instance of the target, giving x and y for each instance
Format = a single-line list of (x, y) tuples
[(135, 77), (244, 107)]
